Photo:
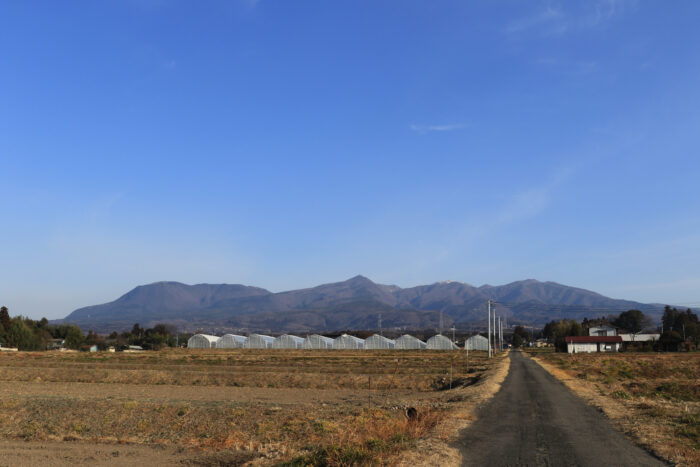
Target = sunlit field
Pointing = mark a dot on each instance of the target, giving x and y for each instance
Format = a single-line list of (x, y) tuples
[(263, 406)]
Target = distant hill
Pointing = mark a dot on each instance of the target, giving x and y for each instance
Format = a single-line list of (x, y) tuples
[(352, 304)]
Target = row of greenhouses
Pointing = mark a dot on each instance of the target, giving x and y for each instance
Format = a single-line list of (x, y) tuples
[(343, 342)]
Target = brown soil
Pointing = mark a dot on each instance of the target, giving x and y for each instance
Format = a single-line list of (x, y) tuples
[(33, 453), (170, 393), (229, 407)]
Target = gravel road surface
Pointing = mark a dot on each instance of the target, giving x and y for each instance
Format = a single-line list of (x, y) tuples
[(535, 420)]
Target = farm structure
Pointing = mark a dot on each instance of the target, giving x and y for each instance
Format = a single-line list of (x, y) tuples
[(440, 342), (231, 341), (287, 341), (640, 337), (259, 341), (588, 344), (408, 342), (348, 342), (202, 341), (477, 342), (377, 342), (317, 342)]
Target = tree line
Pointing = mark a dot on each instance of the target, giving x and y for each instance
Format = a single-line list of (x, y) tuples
[(679, 329), (28, 334)]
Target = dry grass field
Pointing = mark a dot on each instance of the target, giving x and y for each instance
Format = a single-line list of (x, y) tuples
[(654, 398), (222, 407)]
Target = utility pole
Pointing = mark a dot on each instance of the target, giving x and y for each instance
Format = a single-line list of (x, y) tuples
[(489, 334), (494, 329), (500, 332), (453, 334), (380, 325)]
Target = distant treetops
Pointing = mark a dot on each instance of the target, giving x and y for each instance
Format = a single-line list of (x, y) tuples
[(27, 334)]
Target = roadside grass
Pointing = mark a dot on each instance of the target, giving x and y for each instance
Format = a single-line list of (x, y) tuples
[(659, 393), (306, 433)]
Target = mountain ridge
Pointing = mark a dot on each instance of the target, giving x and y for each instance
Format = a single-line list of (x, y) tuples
[(351, 304)]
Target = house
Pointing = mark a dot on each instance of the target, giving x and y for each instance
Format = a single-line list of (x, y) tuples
[(541, 343), (588, 344), (602, 331)]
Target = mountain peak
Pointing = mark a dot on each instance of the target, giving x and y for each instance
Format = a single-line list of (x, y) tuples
[(360, 279)]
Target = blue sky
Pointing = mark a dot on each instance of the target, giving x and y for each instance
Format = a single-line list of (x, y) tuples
[(286, 144)]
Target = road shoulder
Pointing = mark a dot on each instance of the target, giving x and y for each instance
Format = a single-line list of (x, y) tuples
[(440, 447), (622, 416)]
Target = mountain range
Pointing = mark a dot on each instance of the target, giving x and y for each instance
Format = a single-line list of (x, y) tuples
[(357, 303)]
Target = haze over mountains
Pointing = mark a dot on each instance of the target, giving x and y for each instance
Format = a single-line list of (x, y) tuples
[(352, 304)]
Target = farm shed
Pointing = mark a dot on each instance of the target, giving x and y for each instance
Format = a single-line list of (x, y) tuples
[(202, 341), (377, 342), (316, 341), (407, 342), (231, 341), (640, 337), (348, 342), (259, 341), (588, 344), (477, 342), (287, 341), (440, 342)]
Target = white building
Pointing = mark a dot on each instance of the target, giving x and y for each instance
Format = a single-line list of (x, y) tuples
[(477, 342), (408, 342), (640, 337), (348, 342), (377, 342), (202, 341), (590, 344), (317, 342), (287, 341), (259, 341), (440, 342), (602, 331), (231, 341)]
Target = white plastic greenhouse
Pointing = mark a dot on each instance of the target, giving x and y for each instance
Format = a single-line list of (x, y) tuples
[(259, 341), (477, 342), (348, 342), (377, 342), (287, 341), (440, 342), (407, 342), (316, 341), (202, 341), (231, 341)]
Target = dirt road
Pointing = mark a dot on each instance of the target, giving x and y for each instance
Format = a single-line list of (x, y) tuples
[(536, 420)]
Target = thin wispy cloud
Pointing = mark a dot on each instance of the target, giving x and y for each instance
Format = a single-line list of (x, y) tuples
[(422, 129), (545, 18), (531, 202), (557, 20)]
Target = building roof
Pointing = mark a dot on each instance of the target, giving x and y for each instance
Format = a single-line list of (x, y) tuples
[(593, 339)]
